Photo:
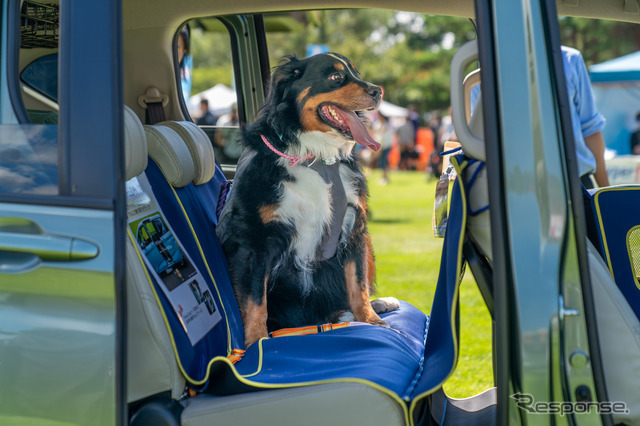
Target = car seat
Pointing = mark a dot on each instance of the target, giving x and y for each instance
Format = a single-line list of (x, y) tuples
[(370, 374), (156, 378), (613, 228), (610, 227)]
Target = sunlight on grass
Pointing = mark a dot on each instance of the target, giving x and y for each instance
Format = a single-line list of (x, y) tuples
[(407, 265)]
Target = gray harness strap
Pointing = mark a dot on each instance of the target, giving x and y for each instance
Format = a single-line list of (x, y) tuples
[(331, 175)]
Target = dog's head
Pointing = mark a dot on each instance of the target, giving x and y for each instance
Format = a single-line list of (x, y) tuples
[(323, 93)]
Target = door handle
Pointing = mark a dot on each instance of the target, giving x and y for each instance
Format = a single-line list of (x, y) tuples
[(48, 247), (20, 236)]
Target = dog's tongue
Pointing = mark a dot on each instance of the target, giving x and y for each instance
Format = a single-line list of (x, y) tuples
[(358, 131)]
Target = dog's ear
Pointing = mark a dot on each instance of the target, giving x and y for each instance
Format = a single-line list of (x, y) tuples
[(290, 68), (281, 97)]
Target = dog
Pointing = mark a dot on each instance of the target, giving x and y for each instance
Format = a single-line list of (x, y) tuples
[(294, 228)]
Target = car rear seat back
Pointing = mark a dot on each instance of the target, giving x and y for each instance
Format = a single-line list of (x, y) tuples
[(614, 262), (152, 368), (160, 328), (614, 228)]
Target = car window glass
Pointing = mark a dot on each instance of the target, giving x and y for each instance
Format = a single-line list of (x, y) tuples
[(29, 151), (206, 76), (38, 75)]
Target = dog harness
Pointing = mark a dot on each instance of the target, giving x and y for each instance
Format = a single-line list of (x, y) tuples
[(330, 173)]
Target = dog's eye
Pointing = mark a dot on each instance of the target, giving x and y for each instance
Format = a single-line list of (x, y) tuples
[(336, 77)]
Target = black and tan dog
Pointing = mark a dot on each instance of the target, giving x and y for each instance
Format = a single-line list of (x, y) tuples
[(295, 226)]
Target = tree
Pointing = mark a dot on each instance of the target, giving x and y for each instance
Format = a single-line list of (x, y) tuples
[(599, 40), (409, 54)]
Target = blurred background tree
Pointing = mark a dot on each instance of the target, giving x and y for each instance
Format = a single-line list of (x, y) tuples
[(409, 54), (406, 53), (599, 40)]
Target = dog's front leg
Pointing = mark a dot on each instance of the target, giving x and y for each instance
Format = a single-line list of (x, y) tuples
[(249, 275), (359, 276), (253, 309)]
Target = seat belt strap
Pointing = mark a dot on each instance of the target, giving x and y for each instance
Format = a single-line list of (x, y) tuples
[(153, 102), (154, 113)]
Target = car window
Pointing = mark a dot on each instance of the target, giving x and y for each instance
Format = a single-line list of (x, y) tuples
[(205, 67), (379, 32), (41, 75), (29, 150)]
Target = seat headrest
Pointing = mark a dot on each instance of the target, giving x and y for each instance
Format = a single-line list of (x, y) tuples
[(135, 144), (171, 154), (199, 146)]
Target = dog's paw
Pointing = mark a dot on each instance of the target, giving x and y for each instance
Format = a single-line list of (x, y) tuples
[(383, 305), (381, 323), (346, 316), (253, 334)]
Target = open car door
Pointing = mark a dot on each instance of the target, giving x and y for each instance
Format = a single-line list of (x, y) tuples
[(61, 215), (541, 283)]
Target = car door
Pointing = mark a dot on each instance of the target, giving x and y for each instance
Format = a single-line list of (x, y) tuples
[(542, 292), (62, 216)]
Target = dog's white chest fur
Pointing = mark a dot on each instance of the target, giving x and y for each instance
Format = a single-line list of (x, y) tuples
[(306, 204)]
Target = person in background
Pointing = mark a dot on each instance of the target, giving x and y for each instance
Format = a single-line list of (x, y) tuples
[(414, 117), (185, 61), (406, 135), (383, 133), (634, 142), (434, 125), (435, 162), (586, 122), (226, 136), (206, 117), (447, 132)]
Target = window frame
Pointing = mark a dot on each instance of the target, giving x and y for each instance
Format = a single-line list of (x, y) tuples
[(81, 182)]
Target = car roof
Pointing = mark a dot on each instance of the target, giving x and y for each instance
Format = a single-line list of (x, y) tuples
[(150, 13)]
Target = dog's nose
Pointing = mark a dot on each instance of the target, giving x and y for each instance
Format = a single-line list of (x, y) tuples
[(375, 92)]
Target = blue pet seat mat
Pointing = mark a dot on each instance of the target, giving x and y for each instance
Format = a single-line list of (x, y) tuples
[(409, 360)]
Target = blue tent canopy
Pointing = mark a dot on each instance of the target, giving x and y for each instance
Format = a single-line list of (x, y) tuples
[(616, 86), (624, 68)]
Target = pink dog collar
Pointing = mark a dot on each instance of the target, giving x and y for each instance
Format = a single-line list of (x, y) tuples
[(294, 160)]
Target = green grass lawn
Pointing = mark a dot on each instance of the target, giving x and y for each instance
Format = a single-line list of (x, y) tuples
[(407, 265)]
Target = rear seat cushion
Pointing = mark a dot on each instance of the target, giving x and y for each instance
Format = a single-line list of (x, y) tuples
[(321, 405), (389, 358), (619, 335)]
